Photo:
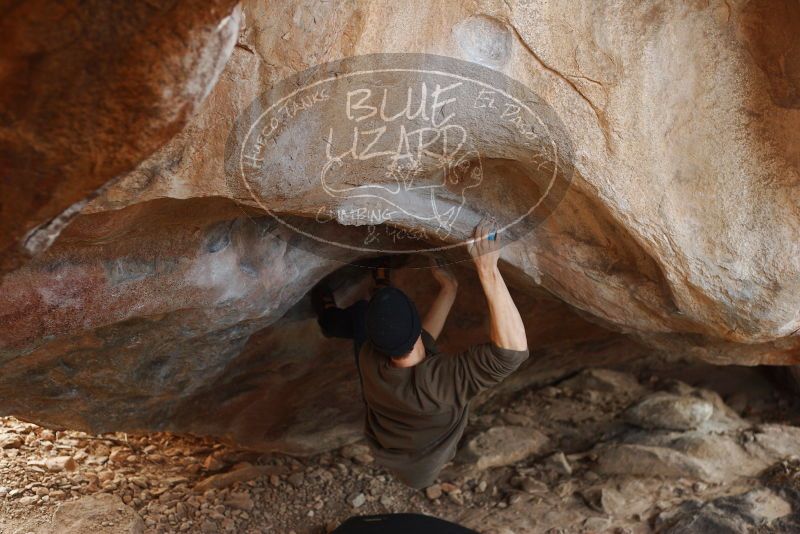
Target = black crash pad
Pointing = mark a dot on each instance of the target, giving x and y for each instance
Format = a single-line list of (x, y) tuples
[(400, 524)]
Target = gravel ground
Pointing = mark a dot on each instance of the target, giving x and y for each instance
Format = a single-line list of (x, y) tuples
[(193, 484)]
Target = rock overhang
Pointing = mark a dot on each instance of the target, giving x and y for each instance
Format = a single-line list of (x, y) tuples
[(676, 227)]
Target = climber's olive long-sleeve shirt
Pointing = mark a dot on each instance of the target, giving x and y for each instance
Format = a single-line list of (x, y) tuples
[(416, 415)]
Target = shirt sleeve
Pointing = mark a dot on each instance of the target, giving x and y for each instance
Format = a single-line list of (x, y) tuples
[(429, 342), (458, 378)]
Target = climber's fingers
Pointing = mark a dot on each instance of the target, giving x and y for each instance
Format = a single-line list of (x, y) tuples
[(484, 237)]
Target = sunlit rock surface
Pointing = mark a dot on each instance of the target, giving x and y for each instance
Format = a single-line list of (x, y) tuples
[(174, 302)]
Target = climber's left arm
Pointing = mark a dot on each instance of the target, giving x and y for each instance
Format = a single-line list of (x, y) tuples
[(440, 309)]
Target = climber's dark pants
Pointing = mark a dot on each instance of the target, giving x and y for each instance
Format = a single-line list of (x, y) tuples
[(346, 323)]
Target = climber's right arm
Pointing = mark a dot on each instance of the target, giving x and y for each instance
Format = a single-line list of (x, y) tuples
[(507, 329), (460, 377)]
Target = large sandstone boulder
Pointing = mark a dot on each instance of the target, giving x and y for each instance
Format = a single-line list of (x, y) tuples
[(175, 300), (87, 90)]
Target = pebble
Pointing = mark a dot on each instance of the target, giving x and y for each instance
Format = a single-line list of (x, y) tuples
[(558, 462), (448, 487), (240, 500), (564, 489), (354, 450), (60, 463), (364, 459), (118, 455), (550, 392), (357, 500), (296, 479), (139, 481), (514, 498), (10, 441), (517, 419), (596, 524), (456, 498), (530, 485), (433, 492), (213, 463), (591, 476)]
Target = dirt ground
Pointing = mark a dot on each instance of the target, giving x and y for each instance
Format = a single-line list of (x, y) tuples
[(565, 457)]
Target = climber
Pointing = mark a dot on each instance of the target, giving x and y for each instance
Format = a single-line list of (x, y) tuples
[(416, 397)]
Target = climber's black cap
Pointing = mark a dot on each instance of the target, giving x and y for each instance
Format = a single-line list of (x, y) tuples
[(393, 324)]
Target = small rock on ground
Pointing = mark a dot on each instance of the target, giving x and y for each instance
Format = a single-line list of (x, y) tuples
[(669, 412), (96, 514), (503, 445)]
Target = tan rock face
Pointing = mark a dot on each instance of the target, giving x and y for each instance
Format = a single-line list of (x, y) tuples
[(173, 296), (88, 90)]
